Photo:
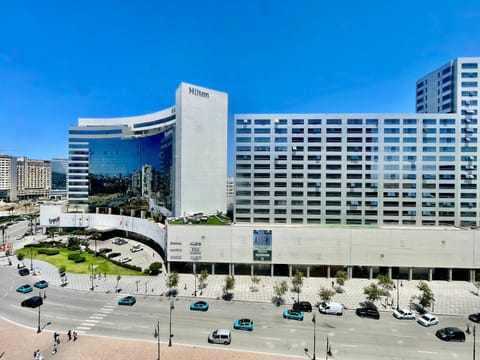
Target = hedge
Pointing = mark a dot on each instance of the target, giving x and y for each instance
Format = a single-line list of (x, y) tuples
[(48, 252), (79, 259)]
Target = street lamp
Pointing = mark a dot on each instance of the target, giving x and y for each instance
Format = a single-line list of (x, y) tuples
[(195, 289), (314, 320), (92, 278), (157, 335), (31, 258), (398, 291), (172, 306), (473, 342)]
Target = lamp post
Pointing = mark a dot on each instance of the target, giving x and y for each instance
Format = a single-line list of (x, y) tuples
[(31, 258), (157, 333), (398, 290), (195, 289), (172, 306), (38, 329), (473, 342), (92, 278), (313, 357)]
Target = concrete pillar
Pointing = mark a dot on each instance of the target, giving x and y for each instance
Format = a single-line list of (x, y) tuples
[(143, 214), (290, 270), (272, 270), (390, 272), (370, 273), (410, 274), (430, 274), (471, 275), (122, 211), (450, 274), (328, 272), (194, 268), (350, 272), (232, 266), (213, 269), (109, 211), (252, 270), (168, 268), (132, 212), (308, 272), (97, 210)]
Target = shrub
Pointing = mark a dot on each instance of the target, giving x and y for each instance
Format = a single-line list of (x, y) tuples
[(79, 259), (48, 252), (73, 256)]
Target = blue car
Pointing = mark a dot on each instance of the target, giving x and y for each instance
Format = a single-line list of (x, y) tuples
[(293, 315), (199, 306), (243, 324), (127, 300), (25, 289), (42, 284)]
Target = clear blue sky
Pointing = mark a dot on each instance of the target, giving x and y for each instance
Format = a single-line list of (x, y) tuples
[(61, 60)]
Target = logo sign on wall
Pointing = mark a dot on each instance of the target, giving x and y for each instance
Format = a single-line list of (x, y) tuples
[(262, 245)]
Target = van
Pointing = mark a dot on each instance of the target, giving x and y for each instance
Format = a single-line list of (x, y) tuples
[(333, 308), (304, 306), (220, 336)]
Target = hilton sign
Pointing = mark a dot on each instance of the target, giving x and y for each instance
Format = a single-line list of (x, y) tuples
[(198, 92)]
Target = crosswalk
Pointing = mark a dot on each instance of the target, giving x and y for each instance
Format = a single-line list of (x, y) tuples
[(96, 318)]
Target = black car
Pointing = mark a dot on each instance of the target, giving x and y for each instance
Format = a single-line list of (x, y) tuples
[(32, 302), (113, 254), (450, 334), (474, 317), (368, 312), (24, 271), (104, 250), (304, 306)]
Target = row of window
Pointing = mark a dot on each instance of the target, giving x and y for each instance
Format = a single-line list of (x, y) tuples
[(330, 139), (318, 157), (375, 122), (337, 203), (337, 130), (374, 149)]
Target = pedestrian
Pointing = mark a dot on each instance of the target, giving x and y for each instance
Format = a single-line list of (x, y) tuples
[(333, 283), (55, 337), (69, 334), (75, 335), (54, 349)]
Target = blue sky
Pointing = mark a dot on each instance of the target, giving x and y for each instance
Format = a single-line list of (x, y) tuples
[(61, 60)]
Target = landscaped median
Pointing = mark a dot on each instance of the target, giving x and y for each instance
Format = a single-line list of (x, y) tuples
[(75, 261)]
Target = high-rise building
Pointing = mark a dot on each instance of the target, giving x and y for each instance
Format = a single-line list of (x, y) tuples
[(416, 169), (176, 156), (8, 178), (33, 178), (59, 178)]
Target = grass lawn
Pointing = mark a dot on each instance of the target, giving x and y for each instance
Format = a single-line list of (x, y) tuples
[(101, 264)]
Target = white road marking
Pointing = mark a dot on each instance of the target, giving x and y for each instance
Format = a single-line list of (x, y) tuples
[(83, 328), (349, 345), (269, 338), (427, 352)]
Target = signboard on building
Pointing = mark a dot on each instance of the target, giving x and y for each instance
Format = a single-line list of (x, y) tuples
[(262, 245)]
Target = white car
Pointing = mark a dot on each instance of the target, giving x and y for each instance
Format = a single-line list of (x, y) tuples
[(427, 320), (125, 259), (136, 248), (404, 314)]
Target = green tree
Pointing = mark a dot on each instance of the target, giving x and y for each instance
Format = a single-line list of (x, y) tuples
[(297, 283), (426, 298), (155, 268), (61, 270), (172, 281), (95, 236), (373, 292), (341, 277), (385, 283), (203, 278), (326, 294), (229, 284), (255, 281), (280, 289)]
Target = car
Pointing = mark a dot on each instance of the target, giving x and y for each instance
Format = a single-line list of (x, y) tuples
[(42, 284), (104, 250), (136, 248), (220, 336), (24, 271), (127, 300), (450, 334), (304, 306), (404, 314), (125, 259), (428, 320), (119, 241), (199, 306), (32, 302), (331, 307), (474, 317), (113, 255), (25, 289), (243, 324), (293, 315), (370, 312)]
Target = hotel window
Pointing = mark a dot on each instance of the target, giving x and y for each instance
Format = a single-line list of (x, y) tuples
[(469, 66), (298, 121)]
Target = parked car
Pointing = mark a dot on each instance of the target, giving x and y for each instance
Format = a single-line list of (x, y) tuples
[(104, 250), (474, 317), (243, 324), (42, 284), (293, 315), (32, 302), (127, 300), (113, 255), (331, 307), (428, 320), (370, 312), (125, 259), (25, 289), (136, 248), (220, 336), (304, 306), (404, 314), (199, 306), (119, 241), (24, 271), (450, 334)]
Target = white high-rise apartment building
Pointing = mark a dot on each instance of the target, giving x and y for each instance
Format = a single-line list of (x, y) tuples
[(8, 178), (416, 169)]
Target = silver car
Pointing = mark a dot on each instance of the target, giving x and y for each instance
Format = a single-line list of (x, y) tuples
[(428, 320)]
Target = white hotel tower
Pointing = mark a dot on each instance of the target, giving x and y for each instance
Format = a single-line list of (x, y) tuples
[(366, 169)]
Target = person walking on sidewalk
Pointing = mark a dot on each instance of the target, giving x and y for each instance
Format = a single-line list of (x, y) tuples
[(69, 334), (75, 335)]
